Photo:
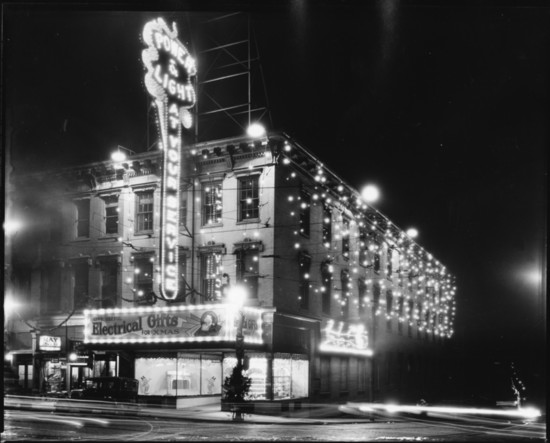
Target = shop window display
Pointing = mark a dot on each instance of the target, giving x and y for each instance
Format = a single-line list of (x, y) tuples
[(257, 371), (54, 376), (290, 376), (178, 376)]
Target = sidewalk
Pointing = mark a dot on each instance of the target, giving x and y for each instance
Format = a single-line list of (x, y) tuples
[(328, 415)]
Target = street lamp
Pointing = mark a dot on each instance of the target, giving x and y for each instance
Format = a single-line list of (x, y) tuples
[(121, 153), (370, 193), (255, 130), (237, 295)]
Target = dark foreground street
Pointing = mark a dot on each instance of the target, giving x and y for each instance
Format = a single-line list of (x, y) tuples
[(213, 425)]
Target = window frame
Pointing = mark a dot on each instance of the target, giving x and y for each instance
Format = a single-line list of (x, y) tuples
[(243, 196), (208, 203), (141, 223), (304, 268), (250, 279), (82, 223)]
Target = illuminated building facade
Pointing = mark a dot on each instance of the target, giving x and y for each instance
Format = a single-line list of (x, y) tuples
[(342, 304)]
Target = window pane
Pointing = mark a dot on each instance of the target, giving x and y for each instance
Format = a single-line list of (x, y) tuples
[(144, 211), (80, 273), (304, 213), (111, 219), (83, 218), (212, 204), (249, 201), (143, 276), (109, 280), (211, 276), (247, 271)]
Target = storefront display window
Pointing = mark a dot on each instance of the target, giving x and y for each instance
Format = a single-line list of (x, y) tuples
[(257, 371), (54, 376), (182, 376), (290, 378)]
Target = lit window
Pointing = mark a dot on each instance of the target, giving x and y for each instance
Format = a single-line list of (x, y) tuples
[(305, 265), (326, 276), (327, 226), (345, 238), (212, 203), (144, 212), (211, 276), (247, 270), (304, 213), (345, 281), (143, 279), (249, 198)]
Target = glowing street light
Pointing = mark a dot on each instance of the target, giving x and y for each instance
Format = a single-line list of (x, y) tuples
[(255, 130), (237, 296), (412, 232), (119, 155), (370, 193)]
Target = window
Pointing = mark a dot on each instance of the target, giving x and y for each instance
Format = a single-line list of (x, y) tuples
[(143, 277), (305, 266), (389, 301), (345, 238), (50, 299), (327, 226), (346, 287), (326, 276), (376, 262), (389, 263), (362, 293), (375, 297), (211, 276), (183, 207), (144, 211), (109, 283), (401, 303), (361, 376), (182, 282), (249, 198), (81, 282), (111, 214), (325, 374), (212, 203), (344, 373), (304, 213), (247, 270), (83, 218), (363, 250)]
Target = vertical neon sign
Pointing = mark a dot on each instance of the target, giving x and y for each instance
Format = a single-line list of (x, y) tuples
[(170, 69)]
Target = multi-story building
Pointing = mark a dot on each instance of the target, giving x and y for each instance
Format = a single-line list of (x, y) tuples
[(341, 303)]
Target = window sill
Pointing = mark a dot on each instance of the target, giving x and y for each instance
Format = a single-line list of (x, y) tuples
[(109, 237), (143, 233), (80, 239), (248, 220), (213, 225)]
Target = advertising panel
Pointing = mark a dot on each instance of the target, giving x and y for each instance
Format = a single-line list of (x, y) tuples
[(171, 324)]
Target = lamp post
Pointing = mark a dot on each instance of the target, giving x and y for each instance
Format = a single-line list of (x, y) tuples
[(236, 295)]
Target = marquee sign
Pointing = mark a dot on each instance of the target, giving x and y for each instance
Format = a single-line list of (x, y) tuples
[(171, 324), (49, 343), (345, 339), (170, 70)]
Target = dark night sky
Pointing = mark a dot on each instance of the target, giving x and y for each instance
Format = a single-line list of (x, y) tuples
[(444, 107)]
